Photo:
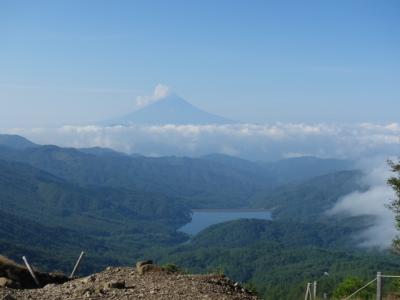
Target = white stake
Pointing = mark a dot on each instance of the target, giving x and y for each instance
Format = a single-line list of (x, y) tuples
[(379, 286), (77, 264), (31, 271), (315, 290), (308, 291)]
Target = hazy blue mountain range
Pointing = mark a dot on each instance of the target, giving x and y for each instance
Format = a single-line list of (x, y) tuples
[(171, 109), (212, 181), (99, 151), (286, 170), (15, 141)]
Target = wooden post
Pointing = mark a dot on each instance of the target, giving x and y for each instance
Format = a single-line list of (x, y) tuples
[(379, 286), (77, 264), (315, 290), (31, 271)]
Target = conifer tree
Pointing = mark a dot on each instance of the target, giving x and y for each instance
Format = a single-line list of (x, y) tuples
[(394, 182)]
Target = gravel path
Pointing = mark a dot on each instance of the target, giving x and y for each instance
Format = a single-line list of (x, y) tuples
[(127, 283)]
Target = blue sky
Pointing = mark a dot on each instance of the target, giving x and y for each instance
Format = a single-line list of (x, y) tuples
[(255, 61)]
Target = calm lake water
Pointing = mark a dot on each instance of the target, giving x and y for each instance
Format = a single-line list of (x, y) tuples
[(201, 219)]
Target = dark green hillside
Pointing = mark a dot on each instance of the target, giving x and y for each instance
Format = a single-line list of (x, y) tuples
[(249, 232), (309, 200), (50, 248), (51, 220), (56, 247), (280, 257), (28, 192)]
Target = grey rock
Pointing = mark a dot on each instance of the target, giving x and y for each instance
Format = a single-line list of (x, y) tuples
[(115, 284)]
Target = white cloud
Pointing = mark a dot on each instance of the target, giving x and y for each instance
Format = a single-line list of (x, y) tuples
[(372, 203), (252, 141), (295, 154), (160, 91)]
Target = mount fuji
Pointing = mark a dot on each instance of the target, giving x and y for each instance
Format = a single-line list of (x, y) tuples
[(170, 109)]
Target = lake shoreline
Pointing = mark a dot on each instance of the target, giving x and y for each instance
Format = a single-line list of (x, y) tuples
[(203, 218)]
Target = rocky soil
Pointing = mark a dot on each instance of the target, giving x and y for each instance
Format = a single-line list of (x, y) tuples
[(136, 283)]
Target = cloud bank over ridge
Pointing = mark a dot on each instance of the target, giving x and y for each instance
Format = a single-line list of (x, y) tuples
[(372, 203), (252, 141)]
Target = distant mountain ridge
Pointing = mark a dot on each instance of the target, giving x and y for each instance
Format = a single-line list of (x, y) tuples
[(171, 109), (213, 181), (16, 141)]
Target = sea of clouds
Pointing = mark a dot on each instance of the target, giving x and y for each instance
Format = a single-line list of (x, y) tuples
[(251, 141)]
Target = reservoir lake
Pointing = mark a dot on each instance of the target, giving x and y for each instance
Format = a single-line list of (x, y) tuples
[(202, 218)]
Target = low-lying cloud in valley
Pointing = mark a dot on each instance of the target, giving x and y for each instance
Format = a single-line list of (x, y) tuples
[(372, 203), (252, 141)]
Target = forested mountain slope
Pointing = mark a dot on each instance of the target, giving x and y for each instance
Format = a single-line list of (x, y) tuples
[(312, 198), (57, 201), (279, 258), (47, 217), (212, 181)]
